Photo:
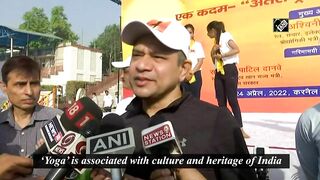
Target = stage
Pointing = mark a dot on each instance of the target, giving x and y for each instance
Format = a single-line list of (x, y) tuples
[(276, 131)]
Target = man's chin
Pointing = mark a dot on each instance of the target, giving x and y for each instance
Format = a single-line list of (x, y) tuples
[(142, 94), (28, 107)]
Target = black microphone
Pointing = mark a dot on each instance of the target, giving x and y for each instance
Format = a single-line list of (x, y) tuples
[(160, 138), (79, 113), (74, 118), (111, 122), (91, 129), (114, 138), (51, 132), (72, 143)]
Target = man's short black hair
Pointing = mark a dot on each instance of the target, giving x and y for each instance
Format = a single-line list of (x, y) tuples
[(21, 63)]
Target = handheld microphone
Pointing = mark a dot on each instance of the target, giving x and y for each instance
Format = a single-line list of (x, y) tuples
[(116, 140), (51, 132), (111, 122), (74, 118), (119, 141), (160, 139), (79, 113), (262, 173), (72, 143)]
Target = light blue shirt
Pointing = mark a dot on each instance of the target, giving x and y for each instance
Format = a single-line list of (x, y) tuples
[(308, 142), (21, 141)]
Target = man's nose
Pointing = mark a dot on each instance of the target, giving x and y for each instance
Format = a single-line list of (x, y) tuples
[(144, 63), (28, 89)]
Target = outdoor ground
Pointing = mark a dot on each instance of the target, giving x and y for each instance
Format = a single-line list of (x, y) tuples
[(276, 131)]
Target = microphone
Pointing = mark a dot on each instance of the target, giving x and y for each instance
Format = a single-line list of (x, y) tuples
[(79, 113), (160, 139), (112, 122), (52, 132), (71, 143), (116, 140), (74, 143), (119, 141), (74, 118)]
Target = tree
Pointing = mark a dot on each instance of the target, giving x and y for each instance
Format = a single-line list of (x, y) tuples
[(36, 21), (60, 26), (110, 43)]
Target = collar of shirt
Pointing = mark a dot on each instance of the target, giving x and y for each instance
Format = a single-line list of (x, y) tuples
[(135, 107), (38, 115)]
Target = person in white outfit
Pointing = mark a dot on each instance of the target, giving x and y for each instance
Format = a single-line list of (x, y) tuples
[(123, 66), (107, 101), (196, 55)]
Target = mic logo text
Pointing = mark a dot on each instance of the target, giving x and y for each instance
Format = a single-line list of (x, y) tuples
[(65, 142), (162, 133), (119, 141), (110, 142)]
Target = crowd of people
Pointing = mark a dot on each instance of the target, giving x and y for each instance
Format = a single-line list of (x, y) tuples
[(164, 73)]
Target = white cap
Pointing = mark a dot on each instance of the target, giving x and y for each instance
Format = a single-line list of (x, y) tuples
[(170, 33), (122, 64)]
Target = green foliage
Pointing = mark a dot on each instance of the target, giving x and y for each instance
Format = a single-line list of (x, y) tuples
[(85, 175), (72, 87), (60, 26), (47, 87), (109, 42), (37, 21)]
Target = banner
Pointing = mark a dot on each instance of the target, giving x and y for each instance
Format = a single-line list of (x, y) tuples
[(279, 43)]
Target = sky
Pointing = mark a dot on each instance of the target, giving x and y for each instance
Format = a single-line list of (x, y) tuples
[(87, 17)]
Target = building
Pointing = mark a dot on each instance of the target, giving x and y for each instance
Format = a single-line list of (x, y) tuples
[(71, 63)]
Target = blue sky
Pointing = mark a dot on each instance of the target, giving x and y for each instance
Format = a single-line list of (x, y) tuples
[(87, 17)]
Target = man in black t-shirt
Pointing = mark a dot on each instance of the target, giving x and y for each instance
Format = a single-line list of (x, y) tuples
[(158, 65)]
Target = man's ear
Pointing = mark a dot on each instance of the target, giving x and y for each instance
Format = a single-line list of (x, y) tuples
[(186, 69)]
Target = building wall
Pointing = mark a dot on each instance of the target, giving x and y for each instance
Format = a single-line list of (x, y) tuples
[(79, 64)]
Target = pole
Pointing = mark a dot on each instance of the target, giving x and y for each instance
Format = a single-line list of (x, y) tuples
[(121, 57), (11, 46), (27, 46), (118, 87)]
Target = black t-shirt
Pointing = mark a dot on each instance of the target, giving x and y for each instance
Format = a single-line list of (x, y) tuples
[(202, 127)]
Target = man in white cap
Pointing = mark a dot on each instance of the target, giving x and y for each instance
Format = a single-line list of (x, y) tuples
[(158, 66), (123, 66)]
